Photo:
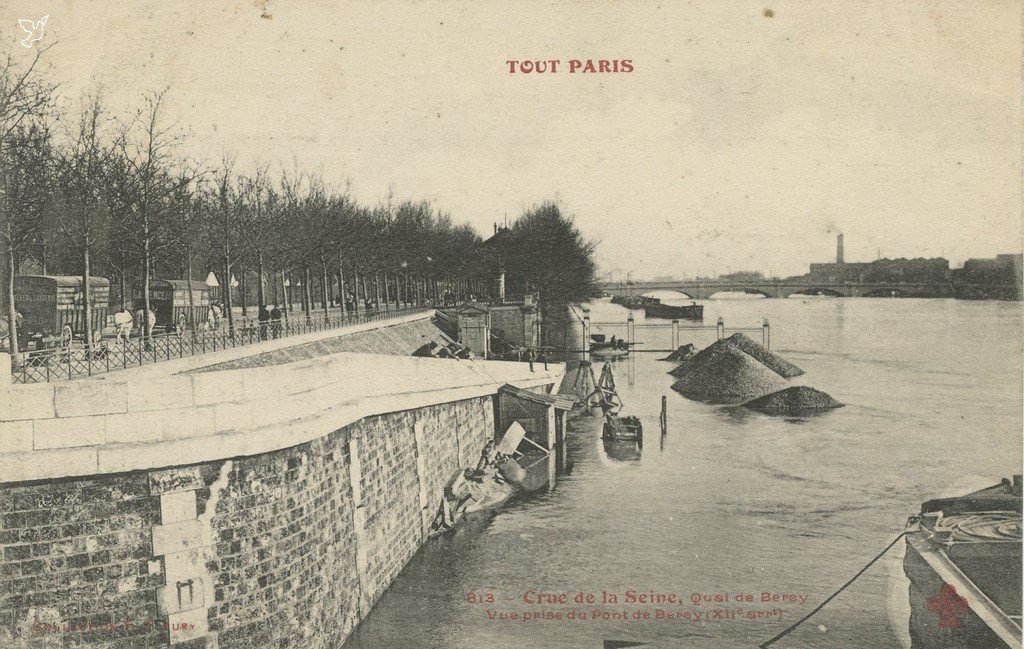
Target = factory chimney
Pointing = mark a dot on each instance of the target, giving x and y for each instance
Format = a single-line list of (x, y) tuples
[(839, 248)]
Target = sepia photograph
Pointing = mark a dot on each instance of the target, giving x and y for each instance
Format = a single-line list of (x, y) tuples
[(547, 324)]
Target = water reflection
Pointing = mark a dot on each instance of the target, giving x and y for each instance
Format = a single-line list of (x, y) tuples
[(623, 451)]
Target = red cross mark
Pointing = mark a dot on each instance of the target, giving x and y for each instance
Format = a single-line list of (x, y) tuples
[(948, 606)]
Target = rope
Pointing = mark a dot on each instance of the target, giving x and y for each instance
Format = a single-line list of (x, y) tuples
[(793, 626)]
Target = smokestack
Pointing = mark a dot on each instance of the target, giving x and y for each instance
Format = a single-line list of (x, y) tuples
[(839, 248), (501, 286)]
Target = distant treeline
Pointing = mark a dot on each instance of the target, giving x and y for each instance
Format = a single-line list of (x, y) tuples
[(91, 193)]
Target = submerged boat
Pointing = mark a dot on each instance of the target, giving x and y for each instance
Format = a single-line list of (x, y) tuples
[(623, 429), (655, 308), (604, 348), (622, 451), (963, 561)]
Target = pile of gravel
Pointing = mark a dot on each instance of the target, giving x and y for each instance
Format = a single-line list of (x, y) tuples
[(796, 400), (723, 373), (684, 353), (776, 363)]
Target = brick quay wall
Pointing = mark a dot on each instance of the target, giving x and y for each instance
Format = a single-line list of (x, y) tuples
[(275, 526)]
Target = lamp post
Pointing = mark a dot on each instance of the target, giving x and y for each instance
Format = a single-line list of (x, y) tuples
[(405, 280), (431, 286)]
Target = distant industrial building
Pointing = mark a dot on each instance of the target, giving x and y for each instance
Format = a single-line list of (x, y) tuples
[(1001, 277), (881, 271)]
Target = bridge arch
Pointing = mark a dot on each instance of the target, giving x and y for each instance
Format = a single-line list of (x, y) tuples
[(669, 294), (741, 293), (886, 292), (818, 292)]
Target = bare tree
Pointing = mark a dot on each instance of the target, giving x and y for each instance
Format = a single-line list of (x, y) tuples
[(85, 194), (146, 147), (24, 99)]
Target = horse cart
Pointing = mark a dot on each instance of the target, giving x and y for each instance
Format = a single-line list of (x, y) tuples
[(52, 304), (178, 303)]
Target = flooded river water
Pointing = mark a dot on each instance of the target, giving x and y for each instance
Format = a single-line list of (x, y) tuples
[(731, 502)]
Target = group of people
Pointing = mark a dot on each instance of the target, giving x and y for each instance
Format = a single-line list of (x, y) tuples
[(270, 321)]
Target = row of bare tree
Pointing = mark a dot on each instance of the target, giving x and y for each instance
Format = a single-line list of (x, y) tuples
[(90, 193)]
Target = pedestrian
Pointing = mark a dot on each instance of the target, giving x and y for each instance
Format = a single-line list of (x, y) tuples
[(66, 336), (275, 321), (150, 321), (217, 313), (263, 316), (19, 324)]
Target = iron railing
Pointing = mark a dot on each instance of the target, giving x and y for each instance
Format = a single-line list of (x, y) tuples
[(108, 355)]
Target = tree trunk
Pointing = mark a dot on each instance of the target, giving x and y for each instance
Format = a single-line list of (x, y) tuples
[(12, 320), (323, 288), (261, 293), (88, 299), (306, 294), (341, 288), (241, 295), (228, 306), (285, 296), (387, 291), (123, 287), (376, 289), (355, 288), (147, 331), (191, 320)]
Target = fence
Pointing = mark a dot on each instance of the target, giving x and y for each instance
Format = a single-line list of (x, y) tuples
[(109, 355), (666, 337)]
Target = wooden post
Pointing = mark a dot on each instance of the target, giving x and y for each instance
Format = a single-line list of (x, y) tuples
[(664, 414), (630, 330), (675, 334), (721, 328), (766, 334), (586, 333)]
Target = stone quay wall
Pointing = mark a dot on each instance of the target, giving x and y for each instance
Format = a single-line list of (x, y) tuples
[(273, 525)]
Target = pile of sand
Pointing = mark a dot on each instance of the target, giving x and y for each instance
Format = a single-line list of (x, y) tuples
[(723, 373), (796, 400), (684, 353), (776, 363)]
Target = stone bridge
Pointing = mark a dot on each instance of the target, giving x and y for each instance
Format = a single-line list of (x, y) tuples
[(704, 289)]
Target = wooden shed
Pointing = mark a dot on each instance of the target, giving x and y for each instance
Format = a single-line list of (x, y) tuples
[(543, 417), (474, 321), (48, 302)]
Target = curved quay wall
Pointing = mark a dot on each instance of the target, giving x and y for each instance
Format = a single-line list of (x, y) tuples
[(258, 507)]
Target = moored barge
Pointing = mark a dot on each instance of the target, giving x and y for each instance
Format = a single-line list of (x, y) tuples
[(963, 561), (655, 308)]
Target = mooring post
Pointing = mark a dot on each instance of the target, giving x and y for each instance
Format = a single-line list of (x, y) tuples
[(664, 414), (675, 334), (721, 328), (766, 334), (630, 325), (586, 333)]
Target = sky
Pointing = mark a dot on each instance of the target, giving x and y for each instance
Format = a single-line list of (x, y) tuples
[(747, 136)]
